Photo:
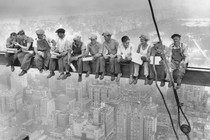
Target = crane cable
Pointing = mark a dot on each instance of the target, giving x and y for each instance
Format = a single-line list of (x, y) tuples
[(185, 128)]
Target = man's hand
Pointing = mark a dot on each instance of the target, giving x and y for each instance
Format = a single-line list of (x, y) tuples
[(112, 56), (118, 59), (16, 44), (129, 58), (106, 56), (143, 58)]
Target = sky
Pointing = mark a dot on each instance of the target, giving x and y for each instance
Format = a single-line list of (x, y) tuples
[(9, 8)]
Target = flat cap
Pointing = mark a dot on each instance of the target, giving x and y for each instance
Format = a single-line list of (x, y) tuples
[(155, 42), (106, 34), (144, 37), (77, 38), (93, 36), (175, 35), (40, 32), (60, 30), (21, 32)]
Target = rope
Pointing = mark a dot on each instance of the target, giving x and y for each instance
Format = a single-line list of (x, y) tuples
[(171, 80)]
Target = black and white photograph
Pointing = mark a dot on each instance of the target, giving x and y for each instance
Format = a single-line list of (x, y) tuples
[(105, 70)]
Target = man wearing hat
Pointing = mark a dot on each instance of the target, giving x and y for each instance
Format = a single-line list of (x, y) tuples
[(77, 52), (158, 50), (110, 47), (94, 48), (42, 50), (11, 57), (26, 53), (144, 50), (178, 58), (60, 51), (124, 53)]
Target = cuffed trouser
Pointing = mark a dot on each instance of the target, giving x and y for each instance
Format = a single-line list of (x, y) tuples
[(180, 66), (100, 65), (62, 64), (123, 61), (162, 73), (79, 64), (11, 57), (25, 60), (112, 64), (146, 69), (42, 62)]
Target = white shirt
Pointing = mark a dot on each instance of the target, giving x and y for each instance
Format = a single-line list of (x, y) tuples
[(63, 44), (125, 52)]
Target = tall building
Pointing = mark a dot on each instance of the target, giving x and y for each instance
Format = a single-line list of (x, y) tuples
[(46, 110), (150, 127), (99, 93), (129, 124), (62, 119), (109, 121)]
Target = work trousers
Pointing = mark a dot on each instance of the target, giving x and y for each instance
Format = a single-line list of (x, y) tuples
[(62, 64), (42, 62), (119, 64), (25, 59), (11, 58), (145, 66)]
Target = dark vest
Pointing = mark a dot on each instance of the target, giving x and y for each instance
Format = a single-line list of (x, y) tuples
[(77, 49), (42, 45)]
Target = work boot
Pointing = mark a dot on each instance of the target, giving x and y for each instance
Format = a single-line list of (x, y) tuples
[(150, 81), (102, 76), (87, 74), (146, 81), (96, 76), (68, 74), (7, 65), (51, 74), (131, 79), (135, 80), (118, 77), (60, 76), (162, 84), (179, 82), (41, 70), (22, 73), (12, 68), (80, 78), (169, 84), (112, 77)]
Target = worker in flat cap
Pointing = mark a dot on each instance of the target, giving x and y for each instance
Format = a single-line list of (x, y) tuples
[(11, 57), (26, 53), (94, 49), (144, 50), (60, 53), (124, 54), (110, 47), (77, 53), (158, 50), (42, 47), (178, 58)]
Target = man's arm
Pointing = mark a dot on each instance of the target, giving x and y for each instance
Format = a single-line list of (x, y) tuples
[(83, 51), (116, 47), (8, 43), (87, 51)]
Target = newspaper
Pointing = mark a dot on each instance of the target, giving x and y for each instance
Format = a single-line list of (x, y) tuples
[(136, 58), (11, 50), (87, 58)]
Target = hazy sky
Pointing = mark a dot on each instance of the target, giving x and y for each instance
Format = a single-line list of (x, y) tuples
[(51, 7)]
